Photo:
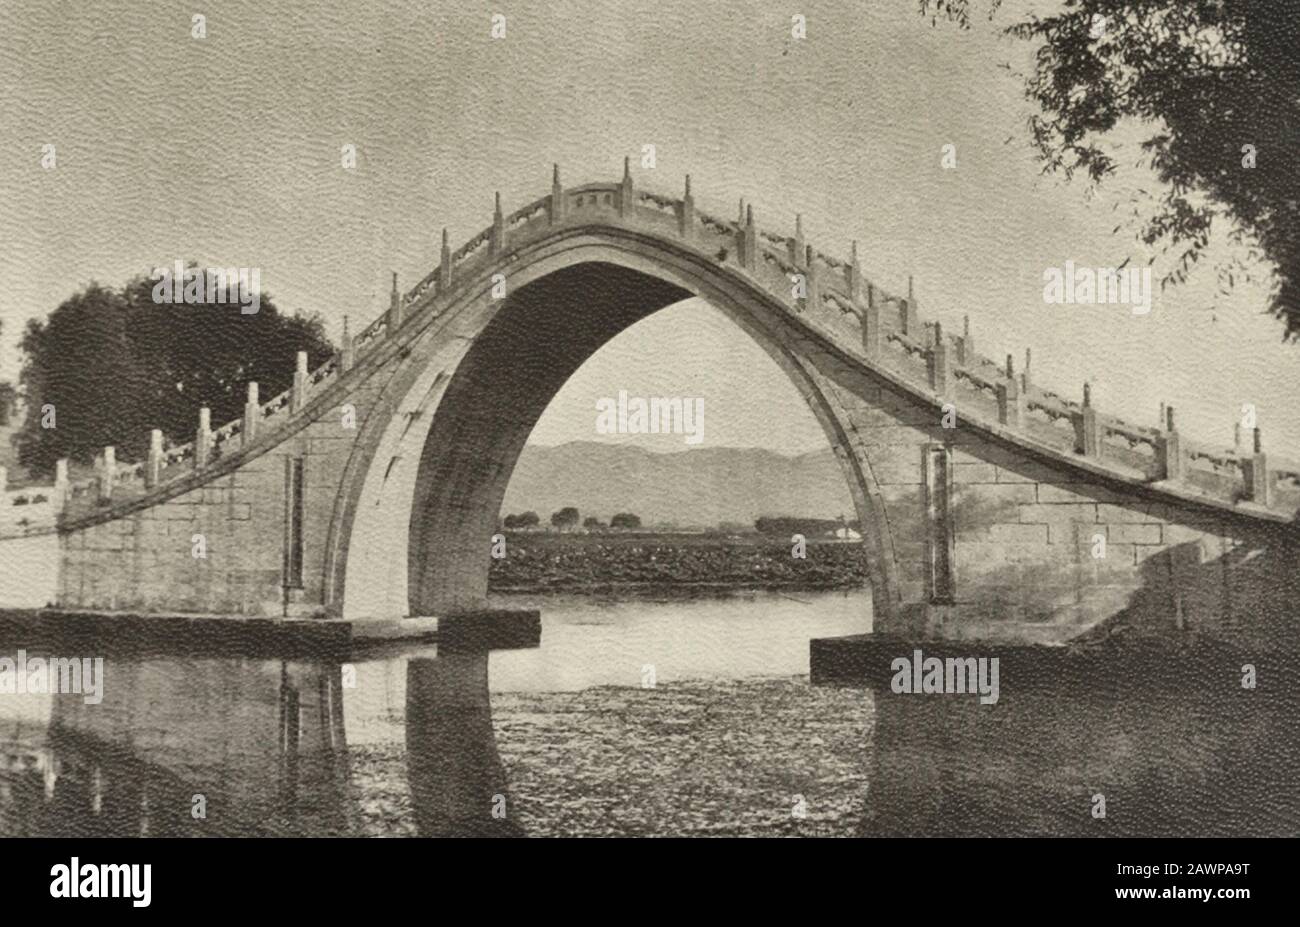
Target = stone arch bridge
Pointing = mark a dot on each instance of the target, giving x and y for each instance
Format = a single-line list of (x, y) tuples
[(371, 488)]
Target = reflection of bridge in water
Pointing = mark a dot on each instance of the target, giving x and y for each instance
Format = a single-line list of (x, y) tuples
[(280, 747), (262, 742)]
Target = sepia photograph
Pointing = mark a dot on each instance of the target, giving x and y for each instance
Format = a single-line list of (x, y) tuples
[(699, 418)]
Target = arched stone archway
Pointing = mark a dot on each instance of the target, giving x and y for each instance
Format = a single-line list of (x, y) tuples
[(430, 473)]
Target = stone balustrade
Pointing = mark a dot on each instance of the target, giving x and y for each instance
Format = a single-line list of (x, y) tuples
[(840, 305)]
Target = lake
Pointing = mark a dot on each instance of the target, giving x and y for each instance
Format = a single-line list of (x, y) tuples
[(636, 715)]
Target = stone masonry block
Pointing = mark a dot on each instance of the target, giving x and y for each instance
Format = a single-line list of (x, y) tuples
[(1057, 514), (1136, 534), (1018, 534)]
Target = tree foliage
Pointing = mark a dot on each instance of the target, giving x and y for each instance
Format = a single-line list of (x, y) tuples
[(112, 364), (566, 517), (1214, 84), (625, 521)]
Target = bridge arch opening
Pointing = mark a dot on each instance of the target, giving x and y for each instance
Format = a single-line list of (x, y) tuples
[(465, 399)]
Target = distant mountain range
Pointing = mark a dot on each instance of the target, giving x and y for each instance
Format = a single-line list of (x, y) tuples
[(696, 488)]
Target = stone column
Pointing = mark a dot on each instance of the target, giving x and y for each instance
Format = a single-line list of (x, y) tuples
[(252, 416), (1254, 470), (908, 319), (298, 394), (853, 275), (348, 350), (60, 498), (107, 465), (1011, 402), (940, 365), (1169, 450), (812, 285), (444, 265), (686, 213), (557, 197), (749, 241), (153, 466), (626, 200), (497, 243), (871, 323), (1086, 428), (394, 308), (203, 438), (966, 345)]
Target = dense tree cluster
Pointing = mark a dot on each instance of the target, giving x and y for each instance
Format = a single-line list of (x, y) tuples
[(108, 365), (526, 520)]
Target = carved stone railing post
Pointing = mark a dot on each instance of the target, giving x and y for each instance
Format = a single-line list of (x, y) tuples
[(106, 463), (557, 197), (939, 363), (348, 350), (203, 438), (394, 308), (444, 265), (908, 319), (740, 235), (1011, 401), (1254, 471), (853, 276), (1087, 430), (686, 213), (1024, 377), (626, 200), (812, 284), (252, 416), (1170, 462), (60, 498), (749, 241), (871, 323), (298, 393), (153, 465), (966, 344), (796, 245), (497, 243)]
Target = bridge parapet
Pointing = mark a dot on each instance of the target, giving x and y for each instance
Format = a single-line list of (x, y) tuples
[(826, 296)]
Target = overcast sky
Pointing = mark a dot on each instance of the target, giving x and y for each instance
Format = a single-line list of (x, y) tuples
[(227, 151)]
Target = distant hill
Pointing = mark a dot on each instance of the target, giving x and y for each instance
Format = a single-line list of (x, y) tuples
[(697, 488)]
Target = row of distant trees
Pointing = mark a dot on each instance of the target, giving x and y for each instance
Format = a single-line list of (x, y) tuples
[(775, 525), (568, 517)]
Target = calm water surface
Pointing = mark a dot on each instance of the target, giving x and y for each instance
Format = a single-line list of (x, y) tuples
[(634, 716)]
